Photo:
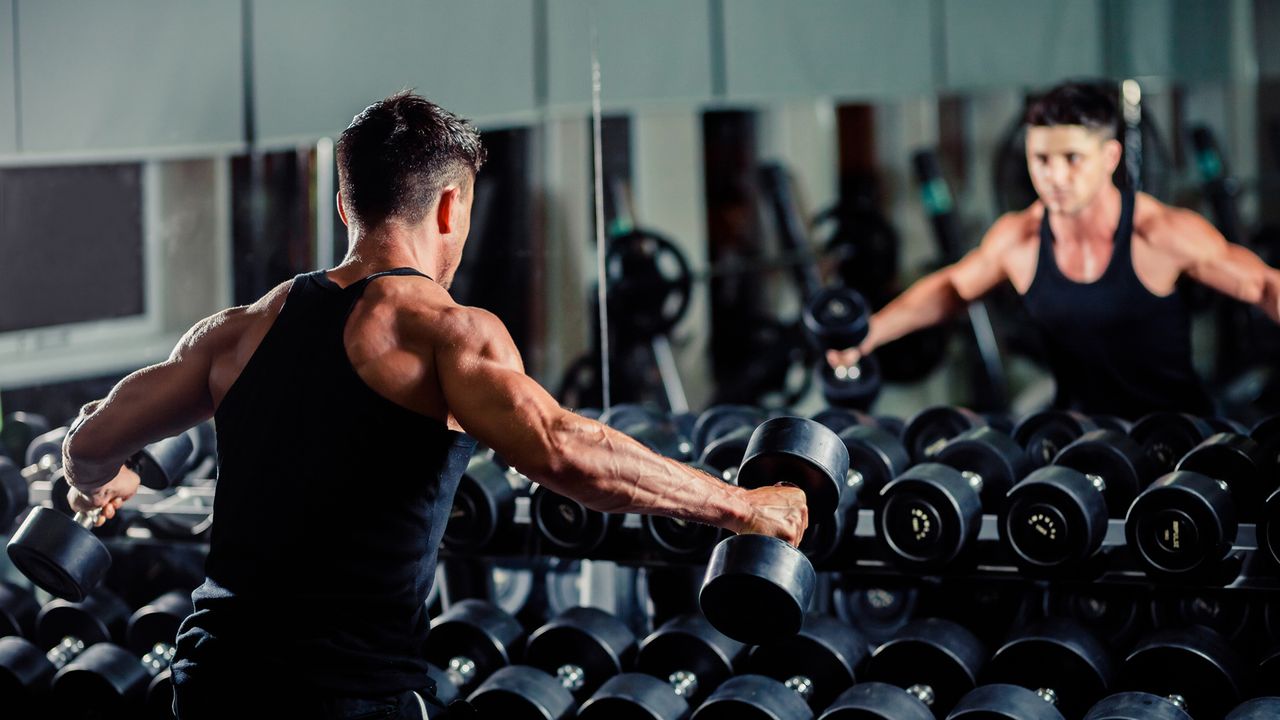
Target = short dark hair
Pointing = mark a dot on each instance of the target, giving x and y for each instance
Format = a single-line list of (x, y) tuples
[(1093, 104), (399, 153)]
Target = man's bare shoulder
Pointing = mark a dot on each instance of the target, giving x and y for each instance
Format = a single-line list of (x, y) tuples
[(1172, 229), (229, 328), (1014, 229), (427, 318)]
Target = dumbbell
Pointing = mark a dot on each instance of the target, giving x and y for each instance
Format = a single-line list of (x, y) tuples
[(18, 430), (1269, 528), (931, 514), (676, 667), (1111, 422), (654, 430), (60, 554), (840, 419), (64, 630), (1228, 613), (1167, 436), (917, 675), (116, 680), (1052, 669), (877, 608), (875, 459), (469, 642), (1194, 665), (1045, 433), (1139, 706), (484, 507), (567, 660), (684, 539), (929, 430), (1056, 518), (1266, 433), (721, 434), (750, 577), (18, 610), (818, 663), (1184, 524), (1263, 708), (43, 458), (1115, 613), (837, 318)]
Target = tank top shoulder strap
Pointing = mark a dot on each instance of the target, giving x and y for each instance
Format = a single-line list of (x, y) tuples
[(357, 288), (1046, 263), (1121, 252)]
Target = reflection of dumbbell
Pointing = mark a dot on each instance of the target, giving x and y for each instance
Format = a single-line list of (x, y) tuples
[(721, 434), (64, 630), (18, 430), (929, 430), (468, 642), (1050, 670), (838, 318), (931, 514), (1167, 436), (923, 670), (1184, 524), (676, 667), (43, 459), (875, 459), (59, 553), (567, 660), (1056, 518), (1042, 435), (113, 680), (655, 431), (776, 577), (484, 507), (1195, 667)]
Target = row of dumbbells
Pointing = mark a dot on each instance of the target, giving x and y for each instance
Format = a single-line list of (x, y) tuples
[(1054, 480), (585, 663), (93, 658)]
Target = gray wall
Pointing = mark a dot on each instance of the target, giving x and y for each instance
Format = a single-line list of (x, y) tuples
[(147, 77)]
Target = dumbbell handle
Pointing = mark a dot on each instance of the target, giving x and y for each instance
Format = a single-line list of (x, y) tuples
[(67, 649), (160, 657), (42, 468), (923, 693), (683, 683), (87, 520), (571, 677)]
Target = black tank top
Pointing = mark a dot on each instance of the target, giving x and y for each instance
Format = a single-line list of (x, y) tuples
[(1114, 347), (330, 506)]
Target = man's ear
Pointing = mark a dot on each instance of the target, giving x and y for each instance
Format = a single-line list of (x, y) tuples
[(1113, 151), (449, 199), (342, 211)]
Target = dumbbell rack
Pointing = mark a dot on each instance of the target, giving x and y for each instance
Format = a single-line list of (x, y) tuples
[(190, 503), (990, 559)]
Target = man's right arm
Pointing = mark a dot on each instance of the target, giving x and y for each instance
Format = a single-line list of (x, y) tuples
[(492, 398), (941, 294)]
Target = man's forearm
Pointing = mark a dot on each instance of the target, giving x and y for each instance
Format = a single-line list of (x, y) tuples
[(610, 472), (86, 474)]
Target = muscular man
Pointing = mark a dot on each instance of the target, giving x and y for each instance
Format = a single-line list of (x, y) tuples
[(1097, 267), (341, 398)]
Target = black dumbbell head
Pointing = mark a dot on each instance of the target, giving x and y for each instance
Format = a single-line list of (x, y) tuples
[(46, 447), (932, 652), (1264, 708), (757, 588), (1044, 434), (930, 429), (836, 318), (634, 696), (25, 675), (18, 609), (1058, 654), (877, 701), (105, 679), (1115, 613), (60, 556), (876, 457), (927, 516), (1267, 434), (720, 420), (1167, 436), (1004, 702), (826, 651), (100, 617), (1237, 461), (683, 538), (158, 621), (989, 454), (160, 464), (1136, 706), (1227, 613), (1117, 459), (1221, 424), (478, 631), (753, 697), (589, 638), (1054, 518), (1195, 663), (520, 692), (800, 452), (1182, 525), (839, 419), (567, 524), (18, 430), (483, 505), (853, 387), (689, 644)]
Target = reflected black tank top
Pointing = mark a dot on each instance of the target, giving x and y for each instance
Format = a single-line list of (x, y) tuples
[(1114, 347)]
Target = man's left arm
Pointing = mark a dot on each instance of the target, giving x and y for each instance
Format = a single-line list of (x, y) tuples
[(1230, 269), (149, 405)]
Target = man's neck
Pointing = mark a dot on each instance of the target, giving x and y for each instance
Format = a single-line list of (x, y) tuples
[(392, 246), (1096, 221)]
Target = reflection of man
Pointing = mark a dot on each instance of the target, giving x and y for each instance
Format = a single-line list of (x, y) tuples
[(339, 397), (1097, 268)]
